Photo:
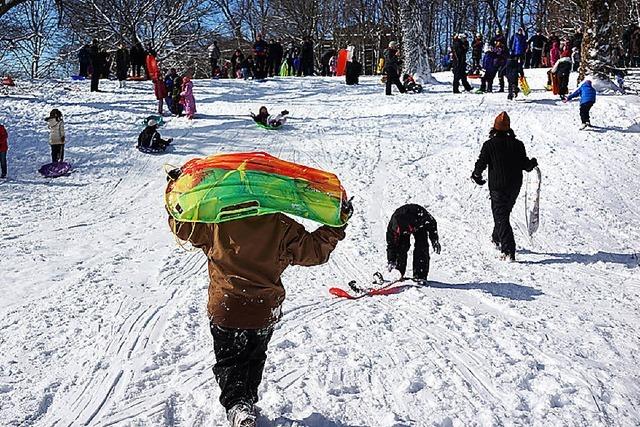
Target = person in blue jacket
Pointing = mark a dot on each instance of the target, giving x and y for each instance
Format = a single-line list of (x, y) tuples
[(490, 65), (518, 45), (587, 95)]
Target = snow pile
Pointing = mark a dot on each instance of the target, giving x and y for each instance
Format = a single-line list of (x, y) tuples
[(102, 315)]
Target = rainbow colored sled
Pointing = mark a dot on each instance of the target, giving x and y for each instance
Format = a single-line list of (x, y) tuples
[(225, 187)]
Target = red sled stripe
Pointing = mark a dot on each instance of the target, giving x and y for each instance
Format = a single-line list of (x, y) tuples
[(341, 293)]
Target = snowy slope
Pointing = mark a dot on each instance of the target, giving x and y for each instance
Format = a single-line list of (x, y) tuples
[(102, 314)]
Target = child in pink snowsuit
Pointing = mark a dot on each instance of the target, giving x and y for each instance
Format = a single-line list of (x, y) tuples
[(186, 97)]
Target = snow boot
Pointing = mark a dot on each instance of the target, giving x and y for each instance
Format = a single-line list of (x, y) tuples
[(508, 257), (241, 415)]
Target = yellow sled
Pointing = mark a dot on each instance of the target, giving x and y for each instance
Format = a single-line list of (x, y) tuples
[(524, 85)]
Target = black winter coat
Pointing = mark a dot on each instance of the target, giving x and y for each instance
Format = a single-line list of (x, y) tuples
[(391, 61), (150, 138), (513, 70), (84, 55), (507, 158), (409, 219), (460, 49), (122, 63), (306, 51)]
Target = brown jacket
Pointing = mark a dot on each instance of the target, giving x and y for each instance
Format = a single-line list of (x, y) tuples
[(246, 258)]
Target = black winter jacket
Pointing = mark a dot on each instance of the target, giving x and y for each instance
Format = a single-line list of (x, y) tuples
[(513, 70), (150, 138), (391, 61), (409, 219), (507, 158)]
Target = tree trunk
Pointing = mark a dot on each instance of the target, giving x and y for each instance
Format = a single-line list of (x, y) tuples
[(596, 45), (414, 18)]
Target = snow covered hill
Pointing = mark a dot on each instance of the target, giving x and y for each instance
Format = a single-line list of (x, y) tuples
[(102, 314)]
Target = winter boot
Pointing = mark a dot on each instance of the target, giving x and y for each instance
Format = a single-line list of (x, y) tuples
[(241, 415), (508, 257)]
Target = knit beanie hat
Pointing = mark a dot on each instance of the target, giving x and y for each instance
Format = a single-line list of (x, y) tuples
[(503, 122), (152, 122)]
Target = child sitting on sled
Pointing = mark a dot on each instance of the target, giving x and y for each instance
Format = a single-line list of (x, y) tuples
[(410, 220), (410, 84), (150, 138), (265, 119)]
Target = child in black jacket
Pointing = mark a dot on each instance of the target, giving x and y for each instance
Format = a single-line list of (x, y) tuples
[(406, 221)]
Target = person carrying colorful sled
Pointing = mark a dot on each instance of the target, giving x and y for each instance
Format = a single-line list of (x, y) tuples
[(150, 139), (587, 95), (246, 259), (411, 220), (506, 158)]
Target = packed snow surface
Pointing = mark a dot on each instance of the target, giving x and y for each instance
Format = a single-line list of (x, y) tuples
[(102, 313)]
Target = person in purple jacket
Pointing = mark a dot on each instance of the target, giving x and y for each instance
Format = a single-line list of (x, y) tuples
[(587, 95), (490, 65)]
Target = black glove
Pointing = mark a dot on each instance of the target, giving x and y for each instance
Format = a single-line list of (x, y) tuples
[(174, 174), (436, 246), (478, 179), (169, 141), (347, 210), (284, 112), (534, 162)]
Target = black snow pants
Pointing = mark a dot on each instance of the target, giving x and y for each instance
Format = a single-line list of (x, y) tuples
[(95, 79), (486, 83), (460, 75), (398, 253), (57, 153), (240, 358), (584, 112), (3, 163), (393, 78), (502, 202), (513, 89)]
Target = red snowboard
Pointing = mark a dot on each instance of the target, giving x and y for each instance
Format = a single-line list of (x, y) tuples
[(341, 63)]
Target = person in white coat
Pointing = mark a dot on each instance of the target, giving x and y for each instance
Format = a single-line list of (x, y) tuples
[(56, 135)]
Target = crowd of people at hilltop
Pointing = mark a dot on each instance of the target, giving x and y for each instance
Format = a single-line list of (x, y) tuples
[(535, 51), (266, 58), (262, 59)]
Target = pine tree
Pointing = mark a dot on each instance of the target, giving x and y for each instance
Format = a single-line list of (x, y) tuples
[(415, 18)]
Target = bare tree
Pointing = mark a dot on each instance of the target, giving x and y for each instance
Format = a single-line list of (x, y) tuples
[(235, 14), (33, 39), (6, 5), (166, 26)]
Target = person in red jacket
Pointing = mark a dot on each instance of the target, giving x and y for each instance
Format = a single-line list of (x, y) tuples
[(3, 151)]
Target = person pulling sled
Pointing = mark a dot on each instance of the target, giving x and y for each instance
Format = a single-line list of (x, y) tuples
[(411, 220)]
